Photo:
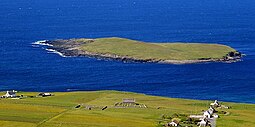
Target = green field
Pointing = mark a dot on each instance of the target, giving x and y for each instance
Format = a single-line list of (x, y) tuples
[(59, 110), (155, 51)]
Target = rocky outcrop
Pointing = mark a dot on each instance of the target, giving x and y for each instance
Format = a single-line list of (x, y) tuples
[(233, 56)]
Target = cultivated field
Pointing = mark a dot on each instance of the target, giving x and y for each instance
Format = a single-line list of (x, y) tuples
[(59, 110)]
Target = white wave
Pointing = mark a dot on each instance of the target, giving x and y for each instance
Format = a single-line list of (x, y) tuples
[(56, 52), (35, 45), (42, 42)]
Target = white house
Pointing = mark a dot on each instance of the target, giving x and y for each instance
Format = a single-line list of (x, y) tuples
[(207, 114), (10, 94), (215, 115), (202, 123), (174, 123), (212, 109), (215, 104)]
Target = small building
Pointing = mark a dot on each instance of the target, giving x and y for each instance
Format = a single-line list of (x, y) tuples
[(215, 104), (128, 100), (174, 123), (216, 116), (10, 94), (211, 109), (207, 114), (202, 123), (45, 94)]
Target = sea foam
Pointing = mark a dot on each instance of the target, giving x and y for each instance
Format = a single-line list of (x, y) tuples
[(42, 42), (56, 52)]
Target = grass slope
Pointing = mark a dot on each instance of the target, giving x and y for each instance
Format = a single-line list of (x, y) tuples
[(59, 110), (156, 51)]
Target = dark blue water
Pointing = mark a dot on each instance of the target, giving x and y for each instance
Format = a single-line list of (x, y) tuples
[(27, 68)]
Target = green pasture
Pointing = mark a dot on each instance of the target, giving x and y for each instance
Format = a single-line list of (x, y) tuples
[(59, 110)]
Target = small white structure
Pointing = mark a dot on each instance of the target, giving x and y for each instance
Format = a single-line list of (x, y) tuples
[(211, 109), (10, 94), (128, 100), (174, 123), (45, 94), (215, 104), (207, 114), (202, 123), (196, 116), (215, 115)]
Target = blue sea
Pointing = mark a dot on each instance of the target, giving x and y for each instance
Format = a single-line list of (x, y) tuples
[(25, 67)]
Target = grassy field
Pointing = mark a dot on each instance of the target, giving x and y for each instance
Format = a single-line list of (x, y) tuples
[(156, 51), (59, 110)]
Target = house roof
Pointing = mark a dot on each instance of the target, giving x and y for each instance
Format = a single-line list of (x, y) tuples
[(11, 92), (175, 121), (128, 100), (208, 112), (202, 122), (215, 103)]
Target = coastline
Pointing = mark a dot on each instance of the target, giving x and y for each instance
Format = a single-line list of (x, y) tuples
[(73, 50)]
